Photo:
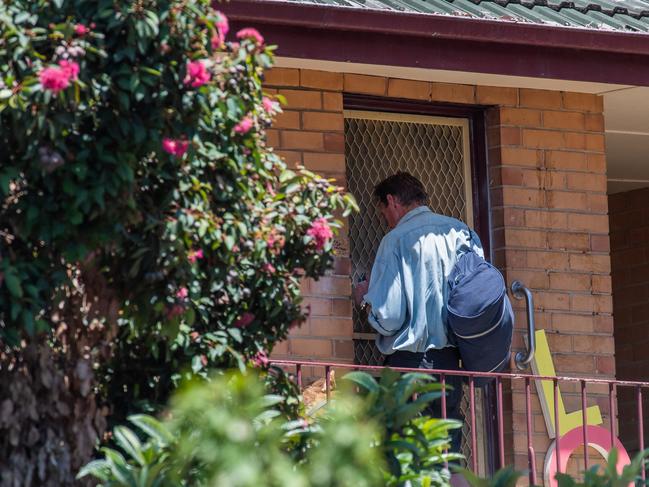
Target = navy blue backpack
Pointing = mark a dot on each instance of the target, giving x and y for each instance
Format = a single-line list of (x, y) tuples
[(479, 315)]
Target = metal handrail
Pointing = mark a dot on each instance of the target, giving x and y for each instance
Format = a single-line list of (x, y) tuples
[(523, 359)]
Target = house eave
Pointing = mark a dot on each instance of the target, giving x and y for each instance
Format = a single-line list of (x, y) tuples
[(446, 42)]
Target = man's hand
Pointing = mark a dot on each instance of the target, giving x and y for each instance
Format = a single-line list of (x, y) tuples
[(359, 291)]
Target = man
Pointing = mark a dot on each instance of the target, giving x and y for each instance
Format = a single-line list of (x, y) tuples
[(405, 298)]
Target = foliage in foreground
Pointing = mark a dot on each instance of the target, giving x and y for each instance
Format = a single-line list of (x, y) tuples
[(227, 432), (415, 446)]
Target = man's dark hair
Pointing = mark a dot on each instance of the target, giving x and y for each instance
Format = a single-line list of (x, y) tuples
[(403, 186)]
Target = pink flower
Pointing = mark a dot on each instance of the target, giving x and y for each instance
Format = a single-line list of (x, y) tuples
[(245, 320), (194, 255), (57, 78), (268, 267), (269, 105), (250, 33), (175, 147), (320, 232), (197, 74), (260, 359), (204, 360), (182, 293), (81, 30), (244, 125), (70, 68), (222, 27), (222, 24)]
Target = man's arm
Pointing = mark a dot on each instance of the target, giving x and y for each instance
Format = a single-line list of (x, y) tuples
[(386, 304)]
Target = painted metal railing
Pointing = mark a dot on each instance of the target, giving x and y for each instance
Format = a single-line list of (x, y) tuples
[(498, 378)]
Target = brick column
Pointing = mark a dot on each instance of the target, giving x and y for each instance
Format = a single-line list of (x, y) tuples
[(550, 224)]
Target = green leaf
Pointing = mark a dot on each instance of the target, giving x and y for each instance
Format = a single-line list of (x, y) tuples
[(363, 379), (153, 428), (97, 468), (13, 283), (130, 443)]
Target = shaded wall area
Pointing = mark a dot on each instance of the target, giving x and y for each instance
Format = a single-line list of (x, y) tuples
[(629, 218)]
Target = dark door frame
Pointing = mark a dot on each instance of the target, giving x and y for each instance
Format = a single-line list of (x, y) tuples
[(476, 115)]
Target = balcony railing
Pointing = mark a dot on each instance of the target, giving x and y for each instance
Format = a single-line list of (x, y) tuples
[(526, 379)]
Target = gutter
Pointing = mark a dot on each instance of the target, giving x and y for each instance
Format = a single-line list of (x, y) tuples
[(433, 41), (431, 25)]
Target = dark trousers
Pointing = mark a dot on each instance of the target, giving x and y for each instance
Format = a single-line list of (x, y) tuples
[(445, 359)]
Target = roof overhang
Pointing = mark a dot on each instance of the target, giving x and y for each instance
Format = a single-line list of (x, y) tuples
[(324, 32)]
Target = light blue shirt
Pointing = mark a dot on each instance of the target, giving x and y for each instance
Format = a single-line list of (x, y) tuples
[(408, 285)]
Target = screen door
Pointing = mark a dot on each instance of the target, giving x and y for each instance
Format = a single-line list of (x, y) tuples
[(435, 150)]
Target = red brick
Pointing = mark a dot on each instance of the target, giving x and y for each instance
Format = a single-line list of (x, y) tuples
[(591, 303), (280, 349), (318, 306), (510, 136), (344, 349), (563, 120), (539, 98), (287, 120), (547, 260), (594, 122), (342, 307), (326, 80), (272, 138), (543, 139), (573, 363), (574, 140), (600, 243), (597, 203), (496, 95), (520, 116), (592, 223), (595, 142), (296, 99), (330, 285), (590, 262), (332, 102), (401, 88), (331, 327), (602, 284), (566, 200), (572, 323), (546, 219), (566, 160), (282, 77), (301, 140), (568, 241), (606, 365), (525, 238), (358, 83), (570, 282), (596, 163), (453, 93), (324, 162), (316, 348), (583, 101), (521, 157), (322, 121), (587, 182), (334, 142), (523, 197)]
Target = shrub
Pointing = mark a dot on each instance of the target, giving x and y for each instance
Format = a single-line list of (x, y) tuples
[(146, 229)]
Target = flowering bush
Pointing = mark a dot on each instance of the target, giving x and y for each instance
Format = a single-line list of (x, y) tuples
[(142, 216)]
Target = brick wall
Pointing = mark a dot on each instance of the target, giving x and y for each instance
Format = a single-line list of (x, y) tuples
[(629, 213), (548, 207)]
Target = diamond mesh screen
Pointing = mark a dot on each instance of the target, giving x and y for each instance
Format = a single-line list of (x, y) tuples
[(379, 144), (433, 149)]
